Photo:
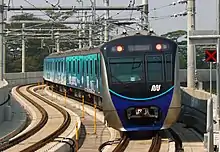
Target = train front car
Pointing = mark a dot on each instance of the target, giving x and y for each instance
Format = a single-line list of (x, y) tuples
[(141, 90)]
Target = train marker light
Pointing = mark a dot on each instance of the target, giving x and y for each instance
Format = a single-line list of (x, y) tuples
[(158, 47), (119, 48)]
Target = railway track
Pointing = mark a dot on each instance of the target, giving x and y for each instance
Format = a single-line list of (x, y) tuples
[(177, 140), (40, 125), (88, 140), (123, 142), (156, 143)]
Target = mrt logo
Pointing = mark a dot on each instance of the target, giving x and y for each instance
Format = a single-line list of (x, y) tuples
[(156, 87)]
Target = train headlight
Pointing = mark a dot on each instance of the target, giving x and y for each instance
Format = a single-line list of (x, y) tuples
[(119, 48), (158, 47)]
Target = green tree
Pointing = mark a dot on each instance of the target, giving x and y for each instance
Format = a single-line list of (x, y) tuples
[(35, 51), (175, 35), (200, 55)]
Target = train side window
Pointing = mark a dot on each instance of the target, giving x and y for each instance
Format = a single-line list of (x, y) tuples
[(82, 67), (84, 70), (61, 66), (69, 66), (74, 66), (91, 67), (96, 67), (87, 67), (58, 66), (55, 67), (168, 61), (78, 66), (155, 68)]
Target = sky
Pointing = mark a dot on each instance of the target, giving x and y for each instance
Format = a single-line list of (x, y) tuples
[(205, 12)]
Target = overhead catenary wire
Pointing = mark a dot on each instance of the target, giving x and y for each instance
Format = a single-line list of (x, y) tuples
[(155, 18)]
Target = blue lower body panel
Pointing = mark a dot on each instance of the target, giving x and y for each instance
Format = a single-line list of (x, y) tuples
[(121, 104)]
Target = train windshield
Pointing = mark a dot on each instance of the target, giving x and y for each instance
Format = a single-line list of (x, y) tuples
[(126, 70), (140, 66), (154, 68)]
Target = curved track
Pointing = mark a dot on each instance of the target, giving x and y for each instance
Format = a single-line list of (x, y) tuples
[(123, 143), (40, 125)]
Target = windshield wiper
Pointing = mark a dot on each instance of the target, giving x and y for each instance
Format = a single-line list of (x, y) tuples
[(139, 64), (125, 85)]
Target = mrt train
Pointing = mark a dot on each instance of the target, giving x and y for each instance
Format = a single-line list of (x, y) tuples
[(134, 78)]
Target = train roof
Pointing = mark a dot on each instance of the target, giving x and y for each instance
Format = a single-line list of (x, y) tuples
[(82, 51), (93, 50), (139, 33)]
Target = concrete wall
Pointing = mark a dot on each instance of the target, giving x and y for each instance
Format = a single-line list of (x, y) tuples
[(15, 79), (4, 91), (194, 109)]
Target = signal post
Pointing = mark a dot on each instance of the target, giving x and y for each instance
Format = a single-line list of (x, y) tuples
[(210, 56)]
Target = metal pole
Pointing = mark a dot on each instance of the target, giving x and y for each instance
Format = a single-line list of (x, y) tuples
[(210, 85), (23, 48), (57, 41), (106, 34), (145, 15), (102, 35), (91, 28), (1, 38), (80, 41), (209, 126), (190, 47), (84, 19), (4, 54), (4, 42), (95, 130), (218, 68), (83, 108), (90, 35)]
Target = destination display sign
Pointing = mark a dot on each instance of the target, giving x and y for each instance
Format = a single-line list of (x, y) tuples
[(140, 48)]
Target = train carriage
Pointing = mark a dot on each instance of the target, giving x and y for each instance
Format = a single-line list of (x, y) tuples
[(141, 89), (136, 78)]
